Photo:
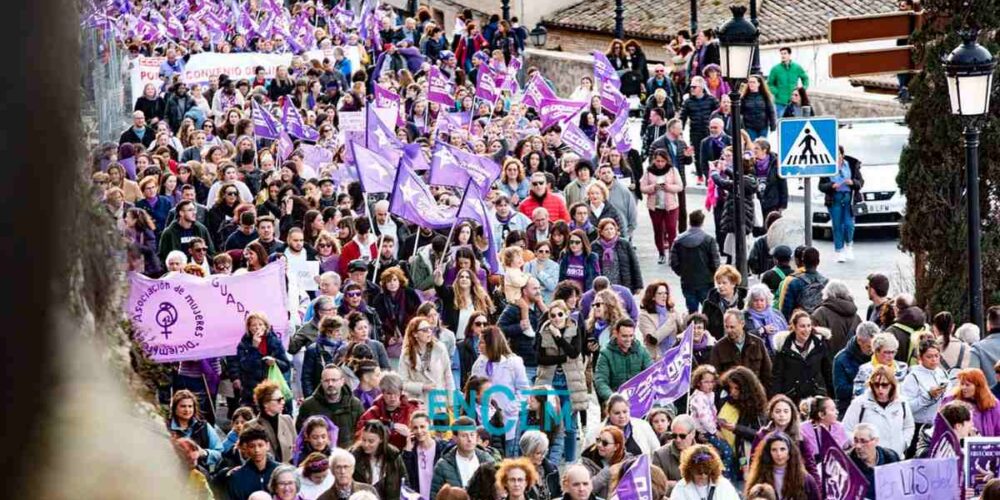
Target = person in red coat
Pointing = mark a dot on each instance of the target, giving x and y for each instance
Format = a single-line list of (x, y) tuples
[(542, 196), (353, 249), (470, 43), (392, 408)]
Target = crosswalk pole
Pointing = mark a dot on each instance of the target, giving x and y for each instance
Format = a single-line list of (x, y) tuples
[(807, 203)]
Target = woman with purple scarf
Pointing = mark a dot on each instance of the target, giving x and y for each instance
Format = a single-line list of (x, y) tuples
[(318, 435), (618, 260), (762, 319), (772, 190), (577, 262)]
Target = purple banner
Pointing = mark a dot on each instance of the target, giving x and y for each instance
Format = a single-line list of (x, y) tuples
[(603, 70), (412, 200), (486, 85), (945, 444), (474, 208), (636, 483), (453, 167), (315, 156), (841, 478), (378, 135), (292, 120), (185, 317), (666, 380), (285, 146), (578, 141), (619, 133), (553, 110), (612, 99), (536, 90), (387, 99), (264, 124), (438, 88), (375, 172)]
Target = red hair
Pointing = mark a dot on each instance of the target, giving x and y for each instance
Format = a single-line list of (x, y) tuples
[(983, 398)]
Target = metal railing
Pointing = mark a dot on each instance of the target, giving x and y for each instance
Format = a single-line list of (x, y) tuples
[(105, 98)]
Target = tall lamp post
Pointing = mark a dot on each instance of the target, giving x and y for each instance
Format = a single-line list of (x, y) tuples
[(969, 71), (505, 9), (755, 66), (619, 19), (737, 44)]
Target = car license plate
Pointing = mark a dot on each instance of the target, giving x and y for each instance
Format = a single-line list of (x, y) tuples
[(877, 208)]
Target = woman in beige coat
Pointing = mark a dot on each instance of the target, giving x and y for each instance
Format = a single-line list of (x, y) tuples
[(424, 364), (659, 321), (279, 426), (561, 351)]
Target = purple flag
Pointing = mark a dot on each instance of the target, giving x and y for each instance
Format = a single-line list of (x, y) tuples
[(536, 90), (451, 166), (378, 135), (636, 483), (666, 380), (285, 146), (619, 133), (412, 200), (292, 120), (603, 70), (474, 208), (315, 156), (264, 124), (578, 141), (486, 84), (841, 478), (385, 98), (945, 444), (413, 157), (184, 317), (375, 172), (553, 110), (438, 88), (611, 98)]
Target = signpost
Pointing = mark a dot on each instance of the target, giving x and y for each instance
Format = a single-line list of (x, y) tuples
[(893, 25), (807, 147)]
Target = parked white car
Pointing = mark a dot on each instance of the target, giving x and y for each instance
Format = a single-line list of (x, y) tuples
[(878, 143)]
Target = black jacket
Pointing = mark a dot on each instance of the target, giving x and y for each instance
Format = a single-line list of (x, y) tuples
[(276, 89), (694, 256), (177, 106), (699, 111), (710, 151), (151, 108), (394, 313), (773, 191), (758, 114), (826, 184), (628, 273), (729, 210), (130, 137), (800, 377), (715, 310)]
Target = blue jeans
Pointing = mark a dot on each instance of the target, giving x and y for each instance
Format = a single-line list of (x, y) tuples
[(779, 110), (693, 297), (842, 219), (568, 447), (755, 134), (532, 371)]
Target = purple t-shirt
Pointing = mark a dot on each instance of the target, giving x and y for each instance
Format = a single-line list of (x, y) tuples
[(575, 270)]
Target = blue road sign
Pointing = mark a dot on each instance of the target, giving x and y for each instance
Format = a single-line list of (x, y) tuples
[(807, 147)]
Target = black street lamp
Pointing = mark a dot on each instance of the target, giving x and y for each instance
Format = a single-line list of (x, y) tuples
[(969, 71), (694, 19), (539, 35), (505, 9), (619, 19), (755, 66), (737, 44)]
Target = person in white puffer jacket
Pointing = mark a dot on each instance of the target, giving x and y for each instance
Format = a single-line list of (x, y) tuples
[(883, 407)]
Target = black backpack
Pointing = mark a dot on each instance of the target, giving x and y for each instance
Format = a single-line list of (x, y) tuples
[(812, 293)]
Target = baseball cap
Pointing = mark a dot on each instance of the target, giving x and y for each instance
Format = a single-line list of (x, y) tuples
[(782, 253)]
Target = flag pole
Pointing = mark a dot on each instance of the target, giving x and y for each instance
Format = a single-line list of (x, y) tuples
[(451, 231)]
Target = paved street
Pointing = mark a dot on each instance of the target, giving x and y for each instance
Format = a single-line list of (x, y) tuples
[(874, 251)]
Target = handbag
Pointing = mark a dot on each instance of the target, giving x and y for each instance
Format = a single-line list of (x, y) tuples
[(858, 209)]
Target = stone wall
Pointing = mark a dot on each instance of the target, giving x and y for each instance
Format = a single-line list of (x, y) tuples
[(565, 69)]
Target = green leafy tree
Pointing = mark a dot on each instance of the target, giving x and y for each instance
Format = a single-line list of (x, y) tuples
[(932, 167)]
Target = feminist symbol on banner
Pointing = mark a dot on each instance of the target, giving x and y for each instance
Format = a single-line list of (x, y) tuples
[(166, 316)]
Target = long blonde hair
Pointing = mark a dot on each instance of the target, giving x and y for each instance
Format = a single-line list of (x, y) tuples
[(480, 299), (612, 308)]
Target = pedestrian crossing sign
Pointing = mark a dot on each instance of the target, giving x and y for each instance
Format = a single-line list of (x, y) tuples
[(807, 147)]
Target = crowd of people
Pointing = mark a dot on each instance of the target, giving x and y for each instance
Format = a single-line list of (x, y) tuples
[(559, 321)]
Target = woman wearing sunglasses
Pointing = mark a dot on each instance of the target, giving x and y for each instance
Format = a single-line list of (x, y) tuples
[(577, 262), (279, 427), (425, 364), (882, 406), (608, 449), (561, 351), (468, 348)]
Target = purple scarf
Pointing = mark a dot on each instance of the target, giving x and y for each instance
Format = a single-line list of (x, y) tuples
[(662, 313), (608, 255), (761, 166), (586, 227)]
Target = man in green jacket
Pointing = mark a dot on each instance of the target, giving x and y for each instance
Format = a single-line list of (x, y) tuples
[(620, 360), (457, 465), (784, 78), (178, 235), (333, 399)]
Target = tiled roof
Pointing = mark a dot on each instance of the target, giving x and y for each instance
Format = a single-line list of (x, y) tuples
[(781, 21)]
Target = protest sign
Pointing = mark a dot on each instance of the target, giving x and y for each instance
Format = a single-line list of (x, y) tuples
[(184, 317), (918, 479), (304, 273), (842, 480), (636, 483), (982, 461)]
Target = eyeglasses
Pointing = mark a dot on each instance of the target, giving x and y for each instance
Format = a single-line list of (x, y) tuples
[(353, 294), (605, 443), (324, 245), (479, 323), (279, 399), (232, 193), (677, 435), (559, 314), (543, 250), (862, 440), (538, 183), (198, 250), (881, 385), (598, 304), (425, 329), (575, 242)]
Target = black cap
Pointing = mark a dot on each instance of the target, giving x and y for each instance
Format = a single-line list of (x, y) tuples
[(782, 253), (324, 181), (357, 265)]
